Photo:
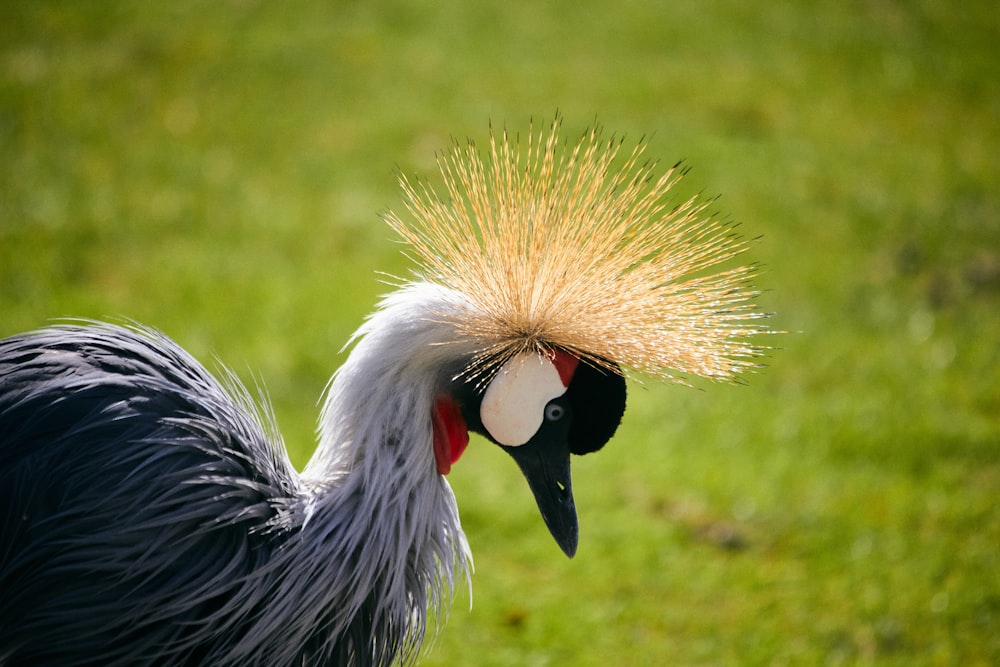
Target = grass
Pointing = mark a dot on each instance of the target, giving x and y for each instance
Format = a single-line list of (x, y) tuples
[(215, 170)]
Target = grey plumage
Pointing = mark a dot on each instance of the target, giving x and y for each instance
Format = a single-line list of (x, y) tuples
[(150, 517)]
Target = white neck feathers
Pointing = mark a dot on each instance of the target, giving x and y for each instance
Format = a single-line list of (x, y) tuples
[(377, 499)]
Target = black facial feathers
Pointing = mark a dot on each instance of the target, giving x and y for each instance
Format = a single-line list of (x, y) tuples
[(598, 399)]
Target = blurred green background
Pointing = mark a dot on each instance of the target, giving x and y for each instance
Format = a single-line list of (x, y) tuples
[(216, 169)]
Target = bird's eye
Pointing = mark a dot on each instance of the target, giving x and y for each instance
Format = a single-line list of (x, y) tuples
[(554, 412)]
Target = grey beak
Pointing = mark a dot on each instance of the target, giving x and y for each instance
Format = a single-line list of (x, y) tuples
[(544, 462)]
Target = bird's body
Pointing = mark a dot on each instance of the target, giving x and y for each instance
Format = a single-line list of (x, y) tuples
[(185, 546), (150, 514)]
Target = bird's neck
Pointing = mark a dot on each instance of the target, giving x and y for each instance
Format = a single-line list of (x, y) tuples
[(377, 499)]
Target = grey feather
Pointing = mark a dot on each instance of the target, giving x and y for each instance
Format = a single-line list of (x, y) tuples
[(150, 515)]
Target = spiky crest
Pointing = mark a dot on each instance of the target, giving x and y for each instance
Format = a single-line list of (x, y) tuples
[(577, 249)]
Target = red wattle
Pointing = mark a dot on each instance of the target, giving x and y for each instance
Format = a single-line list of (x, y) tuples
[(451, 435)]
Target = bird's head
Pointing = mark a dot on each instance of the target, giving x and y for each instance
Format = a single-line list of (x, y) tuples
[(540, 407), (572, 269)]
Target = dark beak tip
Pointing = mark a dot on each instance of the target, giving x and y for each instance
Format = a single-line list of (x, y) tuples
[(559, 514), (567, 537), (569, 548)]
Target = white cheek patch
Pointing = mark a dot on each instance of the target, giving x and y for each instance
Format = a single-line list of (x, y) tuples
[(513, 406)]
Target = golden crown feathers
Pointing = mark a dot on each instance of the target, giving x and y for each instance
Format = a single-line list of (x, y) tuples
[(579, 248)]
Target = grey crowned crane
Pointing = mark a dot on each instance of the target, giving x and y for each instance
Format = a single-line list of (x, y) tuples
[(149, 513)]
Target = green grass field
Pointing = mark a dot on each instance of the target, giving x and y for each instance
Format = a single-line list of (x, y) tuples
[(215, 170)]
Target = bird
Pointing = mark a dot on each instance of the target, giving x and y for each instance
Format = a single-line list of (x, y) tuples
[(151, 514)]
